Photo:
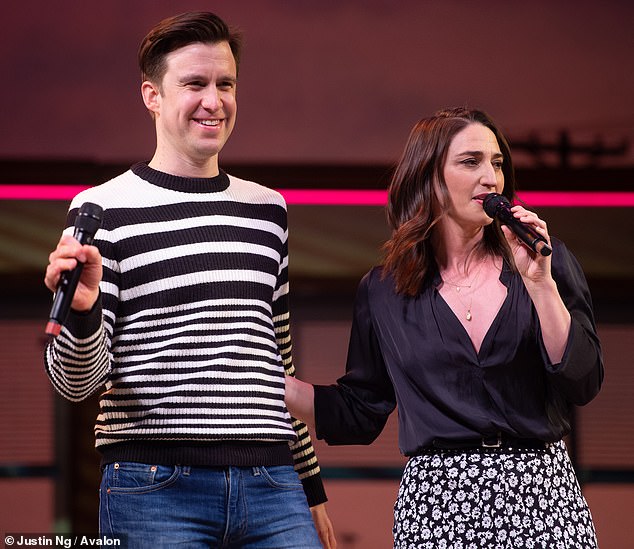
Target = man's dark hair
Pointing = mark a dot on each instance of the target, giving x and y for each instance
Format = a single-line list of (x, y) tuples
[(179, 31)]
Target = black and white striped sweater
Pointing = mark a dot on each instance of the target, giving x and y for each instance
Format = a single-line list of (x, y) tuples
[(191, 333)]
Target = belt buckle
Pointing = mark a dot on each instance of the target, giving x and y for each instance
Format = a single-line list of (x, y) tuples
[(496, 444)]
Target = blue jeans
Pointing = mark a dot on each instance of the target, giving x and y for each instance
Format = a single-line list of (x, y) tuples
[(156, 506)]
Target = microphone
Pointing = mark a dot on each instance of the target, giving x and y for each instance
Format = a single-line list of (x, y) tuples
[(87, 223), (497, 206)]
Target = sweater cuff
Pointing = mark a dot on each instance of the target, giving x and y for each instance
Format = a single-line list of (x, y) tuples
[(85, 324), (314, 490)]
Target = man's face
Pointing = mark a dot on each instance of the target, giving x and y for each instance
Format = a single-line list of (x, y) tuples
[(194, 106)]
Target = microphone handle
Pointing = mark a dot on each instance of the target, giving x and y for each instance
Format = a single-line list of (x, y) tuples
[(64, 294), (529, 236)]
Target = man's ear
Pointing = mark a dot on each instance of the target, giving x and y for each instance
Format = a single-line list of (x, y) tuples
[(151, 97)]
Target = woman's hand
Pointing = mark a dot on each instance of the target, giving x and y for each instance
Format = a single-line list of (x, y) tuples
[(533, 267), (300, 400)]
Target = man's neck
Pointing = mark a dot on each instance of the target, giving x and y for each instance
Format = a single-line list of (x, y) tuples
[(185, 167)]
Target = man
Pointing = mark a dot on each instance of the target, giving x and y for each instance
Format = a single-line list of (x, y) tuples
[(182, 313)]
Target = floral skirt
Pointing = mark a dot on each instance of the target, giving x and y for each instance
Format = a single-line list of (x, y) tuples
[(492, 499)]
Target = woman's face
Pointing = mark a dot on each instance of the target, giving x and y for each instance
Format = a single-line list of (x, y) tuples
[(473, 169)]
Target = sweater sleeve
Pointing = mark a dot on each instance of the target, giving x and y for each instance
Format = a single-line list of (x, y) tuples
[(76, 361), (305, 460), (579, 375)]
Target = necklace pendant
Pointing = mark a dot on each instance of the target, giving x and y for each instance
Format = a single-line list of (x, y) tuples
[(469, 316)]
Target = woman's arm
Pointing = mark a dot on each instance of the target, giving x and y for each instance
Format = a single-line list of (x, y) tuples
[(535, 269), (300, 400), (559, 291), (554, 318)]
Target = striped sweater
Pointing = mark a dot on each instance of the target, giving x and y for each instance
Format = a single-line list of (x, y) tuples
[(190, 336)]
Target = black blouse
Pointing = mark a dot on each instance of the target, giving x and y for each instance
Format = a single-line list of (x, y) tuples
[(415, 352)]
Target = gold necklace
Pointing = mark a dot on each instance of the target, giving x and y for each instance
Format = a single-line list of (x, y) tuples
[(458, 287), (468, 316)]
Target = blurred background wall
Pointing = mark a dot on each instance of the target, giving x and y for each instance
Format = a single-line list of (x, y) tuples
[(327, 94), (334, 81)]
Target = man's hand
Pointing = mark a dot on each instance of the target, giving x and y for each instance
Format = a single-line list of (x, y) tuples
[(324, 526), (65, 258)]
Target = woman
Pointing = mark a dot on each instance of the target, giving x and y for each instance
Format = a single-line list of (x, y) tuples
[(484, 346)]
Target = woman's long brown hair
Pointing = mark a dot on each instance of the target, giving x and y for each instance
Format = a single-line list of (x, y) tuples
[(418, 197)]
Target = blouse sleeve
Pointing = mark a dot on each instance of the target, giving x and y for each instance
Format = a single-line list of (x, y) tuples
[(355, 410), (579, 375)]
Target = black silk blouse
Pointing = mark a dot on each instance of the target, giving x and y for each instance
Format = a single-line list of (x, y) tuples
[(414, 352)]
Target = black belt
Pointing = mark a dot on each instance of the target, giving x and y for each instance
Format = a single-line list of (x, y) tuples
[(495, 441)]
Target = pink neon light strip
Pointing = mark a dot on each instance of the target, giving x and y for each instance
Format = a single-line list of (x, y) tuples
[(560, 199), (347, 197), (334, 197), (39, 192)]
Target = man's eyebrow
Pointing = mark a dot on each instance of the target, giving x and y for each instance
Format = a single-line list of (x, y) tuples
[(195, 76), (191, 76)]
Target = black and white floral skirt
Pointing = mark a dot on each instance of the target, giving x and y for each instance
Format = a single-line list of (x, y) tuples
[(492, 499)]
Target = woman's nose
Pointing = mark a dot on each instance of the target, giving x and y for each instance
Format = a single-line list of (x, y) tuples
[(489, 176)]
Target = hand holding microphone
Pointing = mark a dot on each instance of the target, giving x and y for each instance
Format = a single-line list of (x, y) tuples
[(497, 206), (87, 223)]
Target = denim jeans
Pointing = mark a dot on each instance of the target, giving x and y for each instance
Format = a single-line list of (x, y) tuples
[(156, 506)]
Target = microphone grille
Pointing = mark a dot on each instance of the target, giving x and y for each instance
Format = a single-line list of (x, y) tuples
[(492, 202), (89, 217)]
